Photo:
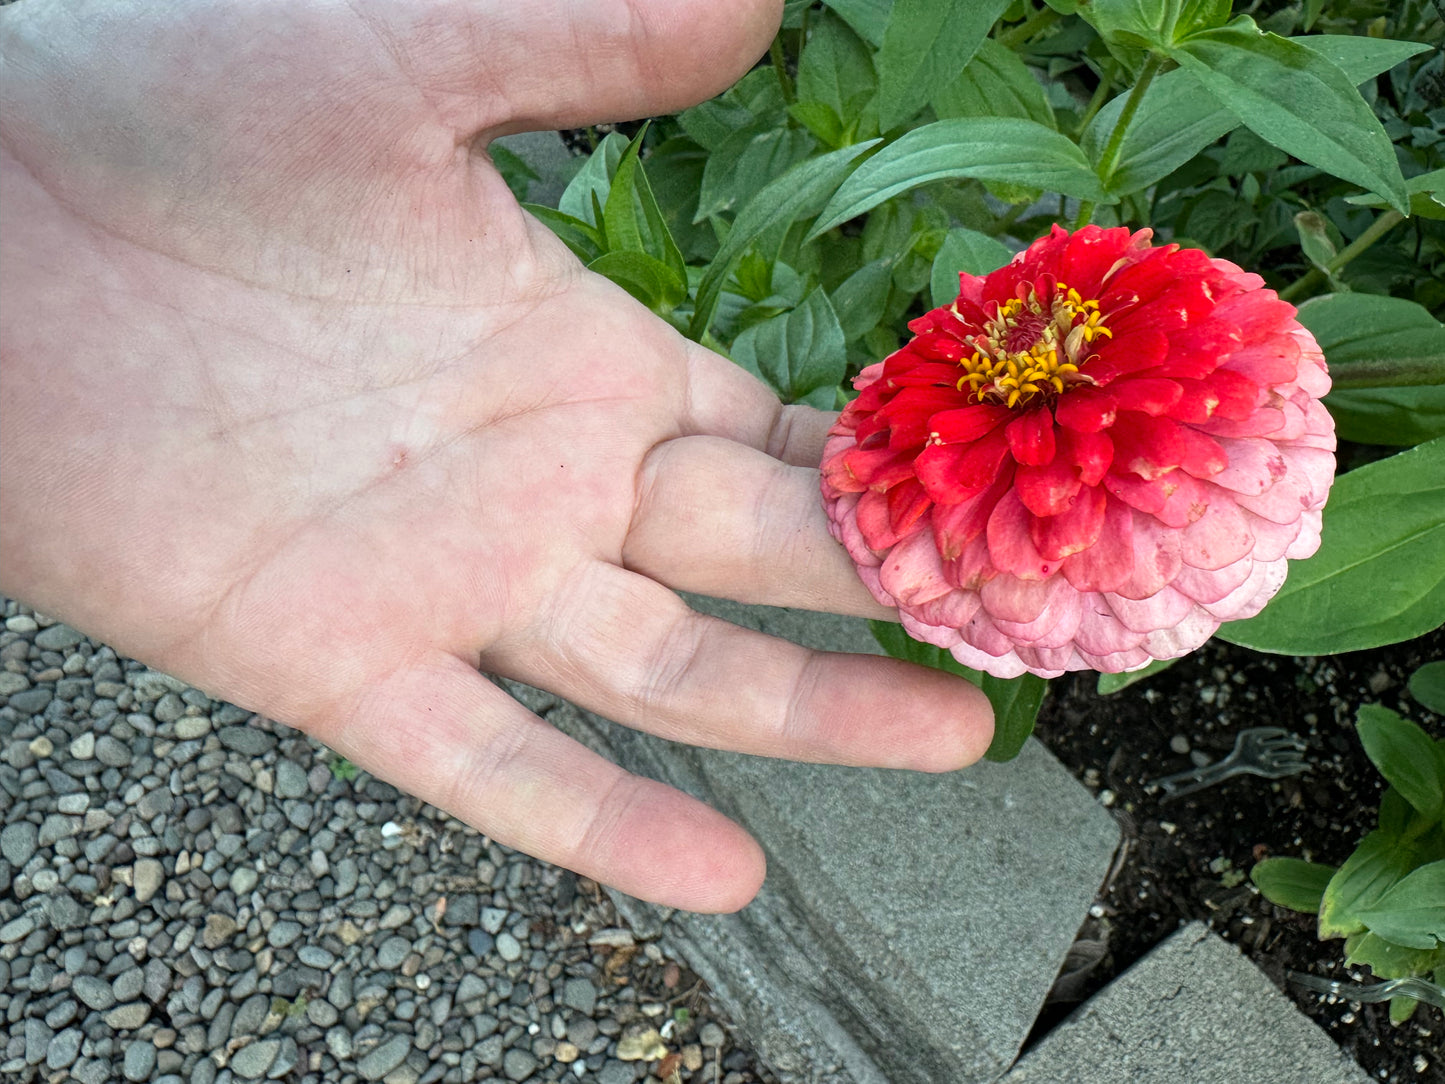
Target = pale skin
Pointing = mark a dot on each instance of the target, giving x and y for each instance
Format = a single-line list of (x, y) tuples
[(300, 406)]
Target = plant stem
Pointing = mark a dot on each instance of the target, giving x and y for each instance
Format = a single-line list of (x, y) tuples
[(780, 68), (1101, 94), (1110, 157), (1042, 19), (1011, 216), (1377, 229)]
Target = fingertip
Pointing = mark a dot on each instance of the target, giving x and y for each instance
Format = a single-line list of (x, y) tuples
[(688, 856), (966, 723)]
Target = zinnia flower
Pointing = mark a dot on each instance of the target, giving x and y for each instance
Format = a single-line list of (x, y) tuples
[(1089, 460)]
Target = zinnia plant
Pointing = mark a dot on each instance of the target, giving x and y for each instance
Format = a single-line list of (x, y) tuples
[(1089, 460)]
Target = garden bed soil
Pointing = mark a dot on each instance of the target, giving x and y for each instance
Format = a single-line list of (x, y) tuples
[(1190, 858)]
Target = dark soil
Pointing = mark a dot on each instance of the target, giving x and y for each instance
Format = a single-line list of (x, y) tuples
[(1189, 858)]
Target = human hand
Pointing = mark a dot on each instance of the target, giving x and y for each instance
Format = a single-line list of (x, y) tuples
[(300, 406)]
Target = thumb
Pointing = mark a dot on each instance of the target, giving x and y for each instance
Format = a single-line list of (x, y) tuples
[(496, 68)]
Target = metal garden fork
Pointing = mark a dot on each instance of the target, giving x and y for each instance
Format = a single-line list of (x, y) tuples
[(1263, 750)]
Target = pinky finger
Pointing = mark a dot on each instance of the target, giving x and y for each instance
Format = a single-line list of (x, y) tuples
[(443, 732)]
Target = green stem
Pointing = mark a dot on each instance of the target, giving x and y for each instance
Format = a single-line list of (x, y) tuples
[(1377, 229), (1027, 30), (1110, 157), (1101, 94), (1012, 215), (780, 68)]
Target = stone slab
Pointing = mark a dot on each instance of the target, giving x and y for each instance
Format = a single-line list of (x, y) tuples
[(1193, 1010), (910, 925)]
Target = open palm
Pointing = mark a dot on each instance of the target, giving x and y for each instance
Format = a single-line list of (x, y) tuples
[(301, 406)]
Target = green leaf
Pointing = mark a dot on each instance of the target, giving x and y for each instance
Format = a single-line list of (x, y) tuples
[(1015, 701), (861, 298), (1411, 912), (835, 68), (798, 352), (745, 162), (995, 83), (1314, 239), (1374, 341), (1292, 882), (1401, 1009), (1392, 416), (964, 250), (1376, 864), (632, 220), (989, 148), (927, 43), (514, 170), (593, 179), (1359, 57), (1175, 121), (1427, 196), (1113, 683), (645, 277), (1140, 24), (1385, 958), (1298, 100), (1379, 575), (584, 239), (868, 18), (1427, 685), (1178, 118), (1404, 755), (780, 202)]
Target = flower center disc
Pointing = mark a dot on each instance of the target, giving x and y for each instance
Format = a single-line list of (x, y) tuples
[(1033, 346)]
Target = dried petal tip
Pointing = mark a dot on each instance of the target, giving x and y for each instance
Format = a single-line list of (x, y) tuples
[(1089, 460)]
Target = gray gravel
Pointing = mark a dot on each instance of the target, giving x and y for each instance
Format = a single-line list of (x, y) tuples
[(190, 894)]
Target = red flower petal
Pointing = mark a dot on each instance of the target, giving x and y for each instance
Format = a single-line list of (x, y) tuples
[(1092, 453), (1031, 438), (953, 472), (1145, 395), (1010, 544), (1086, 410), (1073, 530), (1106, 564), (1048, 490)]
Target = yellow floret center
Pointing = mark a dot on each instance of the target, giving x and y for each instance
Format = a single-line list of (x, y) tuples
[(1034, 345)]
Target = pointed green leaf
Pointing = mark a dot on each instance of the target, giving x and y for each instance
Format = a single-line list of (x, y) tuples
[(1298, 100), (1412, 911), (1392, 416), (1374, 341), (1292, 882), (927, 43), (584, 239), (995, 83), (780, 202), (990, 148), (1379, 574), (964, 250), (1405, 756), (861, 298), (868, 18), (644, 277), (593, 180), (1376, 864), (632, 221), (836, 68), (798, 352), (1385, 958)]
